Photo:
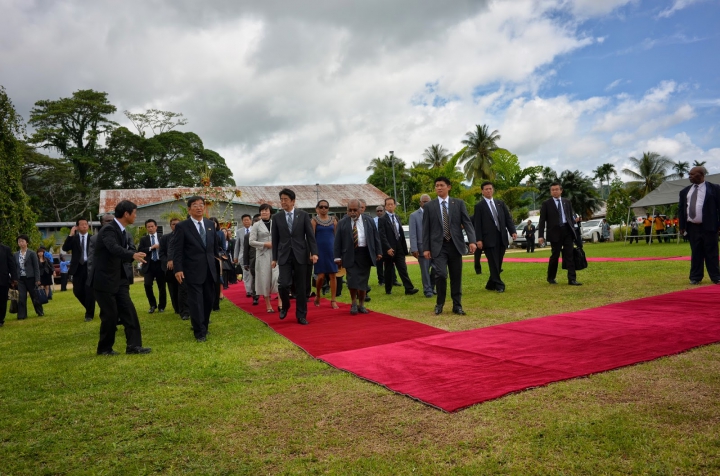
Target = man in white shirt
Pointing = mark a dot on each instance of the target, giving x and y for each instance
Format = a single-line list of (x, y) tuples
[(152, 268)]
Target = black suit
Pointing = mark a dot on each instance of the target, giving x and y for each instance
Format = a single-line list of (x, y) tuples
[(248, 264), (389, 240), (111, 278), (446, 254), (196, 260), (8, 273), (560, 235), (153, 270), (169, 274), (357, 261), (291, 250), (82, 288), (703, 236), (494, 238)]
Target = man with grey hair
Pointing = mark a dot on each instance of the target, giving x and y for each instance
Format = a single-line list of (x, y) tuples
[(416, 246), (699, 215)]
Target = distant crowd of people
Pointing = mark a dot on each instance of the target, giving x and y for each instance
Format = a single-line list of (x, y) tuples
[(280, 253)]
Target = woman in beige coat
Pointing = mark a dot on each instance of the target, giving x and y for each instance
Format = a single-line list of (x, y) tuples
[(266, 277)]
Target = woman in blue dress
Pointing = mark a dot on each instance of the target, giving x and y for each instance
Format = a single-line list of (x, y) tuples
[(324, 226)]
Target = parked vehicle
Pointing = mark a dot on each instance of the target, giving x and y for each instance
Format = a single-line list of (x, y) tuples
[(592, 230), (521, 241)]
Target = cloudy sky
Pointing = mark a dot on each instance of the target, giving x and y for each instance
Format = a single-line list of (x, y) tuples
[(310, 91)]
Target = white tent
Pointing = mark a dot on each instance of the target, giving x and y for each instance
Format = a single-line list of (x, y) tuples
[(668, 192)]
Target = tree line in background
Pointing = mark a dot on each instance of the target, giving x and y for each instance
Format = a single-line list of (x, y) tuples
[(522, 189), (92, 152)]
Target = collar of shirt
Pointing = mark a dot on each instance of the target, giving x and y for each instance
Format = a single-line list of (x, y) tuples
[(122, 228), (361, 231), (488, 200), (196, 222), (291, 211), (446, 200)]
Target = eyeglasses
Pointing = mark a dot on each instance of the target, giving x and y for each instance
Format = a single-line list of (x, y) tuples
[(352, 209), (323, 207)]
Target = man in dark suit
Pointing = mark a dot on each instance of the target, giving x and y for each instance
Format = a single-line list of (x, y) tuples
[(493, 222), (195, 249), (394, 247), (152, 269), (556, 214), (248, 264), (357, 248), (443, 222), (529, 232), (168, 270), (111, 280), (77, 243), (699, 215), (293, 241), (8, 278)]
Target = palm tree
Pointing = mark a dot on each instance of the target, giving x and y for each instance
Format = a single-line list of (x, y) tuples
[(602, 174), (681, 168), (576, 187), (651, 171), (377, 163), (697, 163), (480, 143), (435, 157)]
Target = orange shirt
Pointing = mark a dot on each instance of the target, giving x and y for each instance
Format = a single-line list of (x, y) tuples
[(659, 223), (647, 222)]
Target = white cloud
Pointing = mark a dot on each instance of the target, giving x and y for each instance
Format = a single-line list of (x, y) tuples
[(676, 7), (613, 85)]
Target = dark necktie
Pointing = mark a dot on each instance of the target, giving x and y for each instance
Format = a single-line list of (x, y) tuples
[(125, 240), (693, 203), (82, 249), (355, 233), (494, 214), (446, 221), (560, 211), (289, 221), (395, 227), (201, 230), (154, 252)]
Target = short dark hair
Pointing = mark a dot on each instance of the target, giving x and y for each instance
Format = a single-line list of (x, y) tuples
[(125, 206), (150, 220), (194, 199), (556, 183), (256, 217), (216, 221), (389, 198), (265, 206), (174, 219), (288, 192), (24, 237), (321, 201), (245, 215), (77, 222), (485, 183), (443, 179)]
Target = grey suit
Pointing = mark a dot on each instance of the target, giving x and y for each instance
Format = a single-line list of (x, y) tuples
[(416, 245), (447, 254), (27, 284)]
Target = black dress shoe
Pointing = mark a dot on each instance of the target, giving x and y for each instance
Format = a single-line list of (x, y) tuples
[(283, 313), (412, 291), (429, 295), (438, 309), (248, 295), (552, 281), (138, 350), (694, 282), (362, 310), (500, 290), (397, 284), (88, 319), (302, 321), (151, 310), (185, 318), (572, 282), (201, 339), (255, 301), (459, 311), (367, 298), (353, 309), (162, 309), (108, 352)]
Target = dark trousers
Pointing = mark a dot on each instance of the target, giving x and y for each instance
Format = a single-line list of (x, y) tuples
[(380, 272), (634, 233), (495, 257), (83, 290), (63, 281), (218, 286), (449, 261), (200, 299), (114, 308), (530, 243), (183, 308), (477, 255), (3, 302), (26, 287), (293, 273), (397, 261), (154, 272), (173, 289), (565, 245), (648, 231), (703, 250)]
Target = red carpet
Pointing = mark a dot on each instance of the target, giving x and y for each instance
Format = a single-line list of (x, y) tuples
[(594, 259), (452, 371)]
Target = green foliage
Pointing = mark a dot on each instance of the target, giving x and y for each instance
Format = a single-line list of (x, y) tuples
[(516, 200), (507, 170), (425, 178), (576, 187), (651, 171), (618, 203), (479, 145), (602, 174), (435, 156), (16, 216)]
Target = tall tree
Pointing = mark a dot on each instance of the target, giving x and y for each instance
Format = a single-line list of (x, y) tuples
[(681, 168), (435, 157), (576, 187), (602, 174), (698, 163), (155, 120), (507, 170), (73, 127), (618, 203), (651, 171), (16, 216), (382, 175), (479, 143)]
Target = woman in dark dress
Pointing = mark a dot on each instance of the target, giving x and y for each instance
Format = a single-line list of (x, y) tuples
[(46, 271), (324, 226)]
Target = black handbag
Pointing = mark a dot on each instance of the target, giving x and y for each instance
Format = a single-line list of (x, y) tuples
[(13, 296), (41, 296), (578, 258)]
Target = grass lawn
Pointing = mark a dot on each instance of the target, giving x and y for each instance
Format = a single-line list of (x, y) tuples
[(250, 402)]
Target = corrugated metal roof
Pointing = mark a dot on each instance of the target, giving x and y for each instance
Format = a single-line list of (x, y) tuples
[(306, 196)]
